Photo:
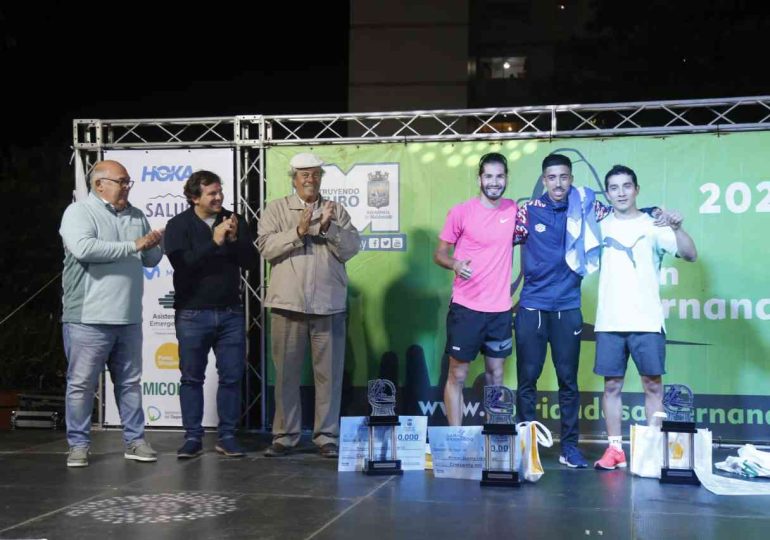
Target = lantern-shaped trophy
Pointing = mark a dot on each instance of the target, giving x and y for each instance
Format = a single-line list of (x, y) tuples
[(678, 436), (498, 407), (382, 425)]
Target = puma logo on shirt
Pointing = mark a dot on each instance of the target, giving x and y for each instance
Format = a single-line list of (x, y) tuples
[(614, 244)]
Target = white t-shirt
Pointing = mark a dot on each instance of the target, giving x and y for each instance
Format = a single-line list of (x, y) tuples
[(629, 291)]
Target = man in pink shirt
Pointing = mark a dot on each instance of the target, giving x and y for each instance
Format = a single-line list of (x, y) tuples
[(479, 235)]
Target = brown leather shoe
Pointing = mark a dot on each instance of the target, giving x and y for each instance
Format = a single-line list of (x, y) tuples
[(329, 450), (277, 450)]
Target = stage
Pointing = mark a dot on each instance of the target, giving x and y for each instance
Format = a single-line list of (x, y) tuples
[(303, 496)]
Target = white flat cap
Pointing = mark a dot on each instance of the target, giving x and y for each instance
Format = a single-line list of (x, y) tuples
[(305, 160)]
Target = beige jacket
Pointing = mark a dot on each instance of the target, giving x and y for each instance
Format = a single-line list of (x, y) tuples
[(307, 275)]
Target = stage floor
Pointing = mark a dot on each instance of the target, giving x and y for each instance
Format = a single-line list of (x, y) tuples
[(303, 496)]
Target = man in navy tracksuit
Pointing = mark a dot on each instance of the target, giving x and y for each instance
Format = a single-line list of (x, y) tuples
[(549, 304)]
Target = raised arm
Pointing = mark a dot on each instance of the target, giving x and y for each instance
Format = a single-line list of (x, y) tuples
[(152, 253), (602, 210), (184, 254), (342, 237), (685, 247), (276, 236), (78, 231), (521, 230)]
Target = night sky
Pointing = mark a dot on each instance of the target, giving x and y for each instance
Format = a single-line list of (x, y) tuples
[(64, 60)]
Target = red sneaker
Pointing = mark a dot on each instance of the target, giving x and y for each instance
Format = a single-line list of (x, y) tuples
[(611, 459)]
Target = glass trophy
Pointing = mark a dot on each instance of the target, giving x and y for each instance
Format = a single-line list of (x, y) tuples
[(498, 407), (678, 436), (382, 424)]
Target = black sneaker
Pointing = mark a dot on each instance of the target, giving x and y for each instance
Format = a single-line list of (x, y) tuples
[(190, 449)]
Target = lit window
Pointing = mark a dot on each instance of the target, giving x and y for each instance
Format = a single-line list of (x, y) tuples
[(503, 67)]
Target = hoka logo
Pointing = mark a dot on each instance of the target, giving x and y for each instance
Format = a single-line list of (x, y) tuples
[(166, 173), (428, 408)]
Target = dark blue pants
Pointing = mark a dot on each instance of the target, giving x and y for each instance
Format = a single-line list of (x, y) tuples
[(535, 329), (198, 332)]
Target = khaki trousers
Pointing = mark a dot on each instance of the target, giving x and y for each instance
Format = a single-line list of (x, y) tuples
[(290, 333)]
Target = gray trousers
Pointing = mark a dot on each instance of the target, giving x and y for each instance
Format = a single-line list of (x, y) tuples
[(290, 333)]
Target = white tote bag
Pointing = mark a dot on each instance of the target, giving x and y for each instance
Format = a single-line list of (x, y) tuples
[(529, 435), (646, 451), (704, 452)]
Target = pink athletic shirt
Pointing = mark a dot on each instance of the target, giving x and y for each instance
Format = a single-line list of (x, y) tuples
[(485, 236)]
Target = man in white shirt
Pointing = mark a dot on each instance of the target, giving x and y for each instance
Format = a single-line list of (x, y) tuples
[(629, 315)]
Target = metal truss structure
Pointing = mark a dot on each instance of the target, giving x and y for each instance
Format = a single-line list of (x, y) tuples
[(252, 136)]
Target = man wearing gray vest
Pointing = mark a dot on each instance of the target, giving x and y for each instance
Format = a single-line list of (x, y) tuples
[(106, 243)]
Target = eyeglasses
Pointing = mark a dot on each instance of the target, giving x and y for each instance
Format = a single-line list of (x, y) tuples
[(122, 183)]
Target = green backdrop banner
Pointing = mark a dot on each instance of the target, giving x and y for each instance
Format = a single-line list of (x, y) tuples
[(718, 309)]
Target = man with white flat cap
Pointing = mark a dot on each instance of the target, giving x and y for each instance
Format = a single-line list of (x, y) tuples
[(307, 240)]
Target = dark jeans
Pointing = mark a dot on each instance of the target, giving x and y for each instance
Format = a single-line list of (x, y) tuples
[(198, 331), (535, 329)]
